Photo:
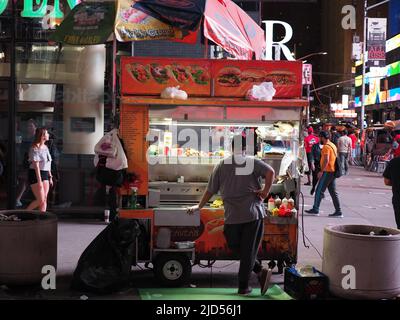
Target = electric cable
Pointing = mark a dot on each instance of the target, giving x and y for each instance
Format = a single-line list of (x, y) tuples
[(303, 229)]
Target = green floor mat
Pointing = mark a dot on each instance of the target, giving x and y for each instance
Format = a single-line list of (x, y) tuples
[(273, 293)]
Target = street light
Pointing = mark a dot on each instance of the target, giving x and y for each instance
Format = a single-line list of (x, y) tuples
[(366, 9), (322, 53)]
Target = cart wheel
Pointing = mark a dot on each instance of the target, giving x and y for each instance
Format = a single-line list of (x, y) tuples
[(172, 270)]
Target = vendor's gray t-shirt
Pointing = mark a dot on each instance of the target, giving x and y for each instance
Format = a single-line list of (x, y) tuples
[(41, 155), (236, 184)]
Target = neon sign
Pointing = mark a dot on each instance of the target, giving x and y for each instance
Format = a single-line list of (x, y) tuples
[(29, 11)]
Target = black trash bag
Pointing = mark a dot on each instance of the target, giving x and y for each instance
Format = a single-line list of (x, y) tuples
[(105, 265)]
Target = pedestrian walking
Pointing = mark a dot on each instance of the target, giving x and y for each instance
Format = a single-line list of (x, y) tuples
[(39, 174), (327, 177), (354, 139), (334, 135), (315, 164), (237, 178), (24, 143), (309, 141), (391, 177), (344, 148)]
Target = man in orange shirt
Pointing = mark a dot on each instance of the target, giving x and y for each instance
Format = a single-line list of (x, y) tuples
[(327, 177)]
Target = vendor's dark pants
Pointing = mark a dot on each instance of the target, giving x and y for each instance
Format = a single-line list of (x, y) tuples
[(396, 207), (244, 240)]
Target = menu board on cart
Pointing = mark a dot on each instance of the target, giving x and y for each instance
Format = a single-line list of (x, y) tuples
[(234, 78), (134, 127), (149, 76), (202, 77)]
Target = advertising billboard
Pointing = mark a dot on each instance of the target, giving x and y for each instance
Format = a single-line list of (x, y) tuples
[(376, 42), (373, 79)]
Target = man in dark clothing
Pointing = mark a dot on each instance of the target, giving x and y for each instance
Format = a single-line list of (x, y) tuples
[(315, 159), (392, 178), (334, 135), (237, 178)]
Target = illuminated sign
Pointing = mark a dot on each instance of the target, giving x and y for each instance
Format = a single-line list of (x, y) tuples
[(393, 43), (29, 11), (374, 77), (345, 114)]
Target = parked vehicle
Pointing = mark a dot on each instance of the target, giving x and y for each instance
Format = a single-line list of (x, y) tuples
[(376, 143)]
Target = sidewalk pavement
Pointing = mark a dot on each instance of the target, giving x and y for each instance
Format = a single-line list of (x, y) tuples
[(364, 200)]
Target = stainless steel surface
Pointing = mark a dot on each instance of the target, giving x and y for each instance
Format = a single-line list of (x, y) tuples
[(193, 169), (274, 161), (154, 198), (210, 114), (184, 244), (176, 217), (179, 192)]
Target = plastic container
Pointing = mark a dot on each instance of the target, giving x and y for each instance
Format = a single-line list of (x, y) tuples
[(271, 204), (278, 202), (290, 203), (300, 287)]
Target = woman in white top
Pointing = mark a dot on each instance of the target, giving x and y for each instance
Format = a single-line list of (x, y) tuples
[(39, 174)]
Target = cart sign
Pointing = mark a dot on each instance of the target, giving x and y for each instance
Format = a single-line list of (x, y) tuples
[(234, 78), (307, 73), (201, 77), (376, 42), (150, 76)]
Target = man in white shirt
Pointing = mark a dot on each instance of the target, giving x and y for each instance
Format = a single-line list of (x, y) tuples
[(344, 145)]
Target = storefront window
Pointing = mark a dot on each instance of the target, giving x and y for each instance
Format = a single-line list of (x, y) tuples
[(3, 142), (60, 88)]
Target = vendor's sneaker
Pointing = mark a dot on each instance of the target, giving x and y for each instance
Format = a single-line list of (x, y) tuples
[(312, 212), (246, 291), (264, 278), (336, 215)]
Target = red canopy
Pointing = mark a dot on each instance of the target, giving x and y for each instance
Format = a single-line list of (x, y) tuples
[(234, 30)]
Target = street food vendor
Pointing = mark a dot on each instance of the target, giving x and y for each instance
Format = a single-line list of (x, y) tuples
[(237, 178)]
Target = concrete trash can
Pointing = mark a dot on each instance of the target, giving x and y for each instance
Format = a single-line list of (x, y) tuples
[(374, 260), (26, 246)]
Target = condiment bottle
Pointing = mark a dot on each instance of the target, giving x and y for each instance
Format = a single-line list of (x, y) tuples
[(285, 201), (290, 203), (271, 204), (278, 202)]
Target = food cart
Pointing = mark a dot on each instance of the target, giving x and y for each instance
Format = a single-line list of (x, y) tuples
[(173, 146)]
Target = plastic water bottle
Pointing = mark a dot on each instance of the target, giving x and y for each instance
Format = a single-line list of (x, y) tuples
[(107, 216)]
